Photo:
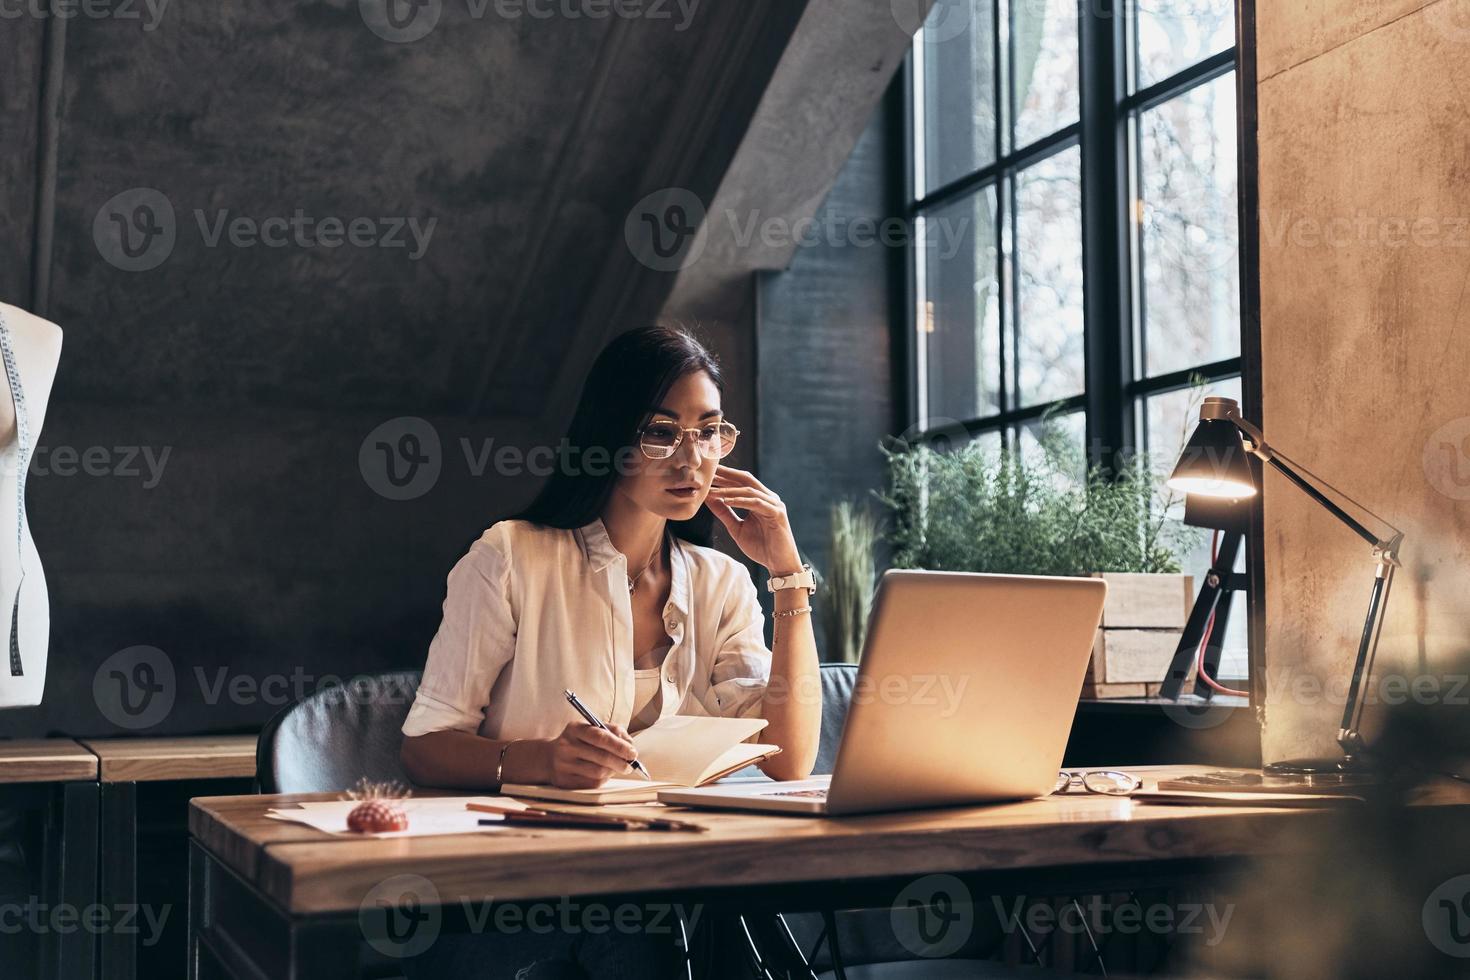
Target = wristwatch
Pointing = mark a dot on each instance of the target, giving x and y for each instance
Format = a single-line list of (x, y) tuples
[(804, 579)]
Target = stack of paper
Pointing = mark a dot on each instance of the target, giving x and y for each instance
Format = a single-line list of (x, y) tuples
[(427, 817), (1231, 798)]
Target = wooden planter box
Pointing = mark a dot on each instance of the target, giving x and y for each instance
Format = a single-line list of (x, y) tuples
[(1142, 621)]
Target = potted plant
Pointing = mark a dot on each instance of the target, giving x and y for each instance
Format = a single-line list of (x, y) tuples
[(846, 593), (1044, 512)]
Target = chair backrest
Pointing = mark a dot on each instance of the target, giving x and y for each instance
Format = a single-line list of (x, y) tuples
[(837, 686), (329, 740)]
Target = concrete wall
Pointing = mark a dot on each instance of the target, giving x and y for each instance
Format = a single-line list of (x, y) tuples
[(1365, 293), (831, 383), (266, 550)]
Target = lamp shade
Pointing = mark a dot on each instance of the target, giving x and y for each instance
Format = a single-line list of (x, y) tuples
[(1213, 463)]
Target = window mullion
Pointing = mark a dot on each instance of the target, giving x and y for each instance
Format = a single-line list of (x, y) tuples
[(1107, 327), (1000, 37)]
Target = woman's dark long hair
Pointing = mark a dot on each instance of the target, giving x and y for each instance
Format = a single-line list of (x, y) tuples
[(627, 381)]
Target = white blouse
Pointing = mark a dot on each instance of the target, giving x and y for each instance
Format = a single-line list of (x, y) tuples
[(533, 611), (647, 686)]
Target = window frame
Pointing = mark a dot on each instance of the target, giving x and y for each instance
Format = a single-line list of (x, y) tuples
[(1109, 143), (1114, 395)]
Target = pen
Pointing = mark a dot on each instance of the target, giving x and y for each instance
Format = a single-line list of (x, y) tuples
[(592, 720)]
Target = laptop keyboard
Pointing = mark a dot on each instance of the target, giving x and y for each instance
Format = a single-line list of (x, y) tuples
[(811, 794)]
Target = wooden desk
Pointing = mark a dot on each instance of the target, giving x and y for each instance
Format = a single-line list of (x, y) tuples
[(122, 764), (142, 760), (253, 877), (45, 760), (59, 777)]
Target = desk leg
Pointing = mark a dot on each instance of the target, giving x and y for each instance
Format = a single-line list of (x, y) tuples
[(119, 876), (198, 902), (72, 879), (234, 932)]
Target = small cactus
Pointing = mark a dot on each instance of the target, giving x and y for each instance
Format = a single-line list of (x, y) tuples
[(380, 809)]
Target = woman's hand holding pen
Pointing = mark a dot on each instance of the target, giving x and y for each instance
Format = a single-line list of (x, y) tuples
[(584, 756)]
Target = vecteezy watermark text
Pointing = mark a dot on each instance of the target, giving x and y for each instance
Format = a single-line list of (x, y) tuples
[(136, 688), (403, 915), (87, 9), (124, 462), (1095, 914), (1365, 230), (406, 21), (669, 229), (39, 917), (403, 458), (137, 230), (304, 231)]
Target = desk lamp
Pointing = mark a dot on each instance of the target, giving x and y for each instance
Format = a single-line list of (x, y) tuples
[(1213, 465)]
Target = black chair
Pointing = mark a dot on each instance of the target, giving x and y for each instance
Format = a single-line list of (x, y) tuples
[(327, 741), (837, 684)]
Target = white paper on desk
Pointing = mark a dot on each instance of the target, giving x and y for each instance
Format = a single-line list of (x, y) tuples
[(427, 817)]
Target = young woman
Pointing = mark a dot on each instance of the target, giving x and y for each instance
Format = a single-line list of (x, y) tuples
[(606, 586)]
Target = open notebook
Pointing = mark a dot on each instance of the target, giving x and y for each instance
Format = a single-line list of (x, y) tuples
[(680, 750)]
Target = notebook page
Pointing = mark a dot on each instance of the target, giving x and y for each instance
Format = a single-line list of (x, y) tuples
[(681, 748)]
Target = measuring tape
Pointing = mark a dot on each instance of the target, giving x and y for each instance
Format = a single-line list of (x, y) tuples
[(22, 464)]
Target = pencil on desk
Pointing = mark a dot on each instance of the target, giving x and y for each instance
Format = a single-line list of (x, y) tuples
[(554, 820), (629, 821)]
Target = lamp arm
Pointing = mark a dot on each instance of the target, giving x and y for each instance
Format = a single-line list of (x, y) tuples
[(1352, 713), (1385, 555), (1256, 444), (1283, 466)]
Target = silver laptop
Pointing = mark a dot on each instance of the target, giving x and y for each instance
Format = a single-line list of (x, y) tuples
[(966, 694)]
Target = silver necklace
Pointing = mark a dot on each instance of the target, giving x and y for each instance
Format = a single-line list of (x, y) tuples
[(633, 579)]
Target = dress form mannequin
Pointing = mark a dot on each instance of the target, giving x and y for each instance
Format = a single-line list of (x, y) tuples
[(36, 345)]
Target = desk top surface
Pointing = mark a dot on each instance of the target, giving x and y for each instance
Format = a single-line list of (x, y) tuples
[(305, 871), (140, 760), (45, 760)]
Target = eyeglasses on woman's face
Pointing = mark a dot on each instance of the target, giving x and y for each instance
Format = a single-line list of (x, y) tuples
[(661, 438), (1106, 782)]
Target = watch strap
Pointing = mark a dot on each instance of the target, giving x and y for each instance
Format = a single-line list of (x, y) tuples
[(804, 579)]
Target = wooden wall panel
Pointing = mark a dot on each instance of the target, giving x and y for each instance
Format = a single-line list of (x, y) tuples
[(1365, 292)]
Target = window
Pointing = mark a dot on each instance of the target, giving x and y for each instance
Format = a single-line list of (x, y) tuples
[(1072, 185)]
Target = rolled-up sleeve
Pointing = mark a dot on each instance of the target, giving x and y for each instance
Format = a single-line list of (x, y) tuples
[(475, 641), (742, 663)]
